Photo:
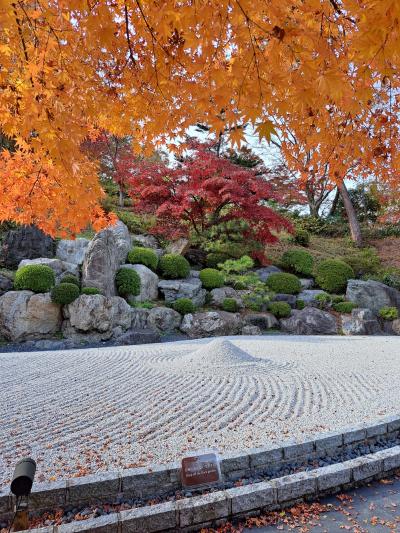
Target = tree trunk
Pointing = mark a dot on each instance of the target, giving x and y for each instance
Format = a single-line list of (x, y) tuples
[(121, 196), (355, 229), (335, 202)]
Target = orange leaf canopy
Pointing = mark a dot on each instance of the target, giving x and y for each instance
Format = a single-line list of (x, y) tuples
[(152, 68)]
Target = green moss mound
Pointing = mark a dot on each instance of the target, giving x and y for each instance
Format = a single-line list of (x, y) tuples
[(184, 306), (230, 305), (332, 275), (280, 309), (90, 291), (143, 256), (36, 278), (215, 258), (211, 278), (389, 313), (64, 293), (298, 261), (69, 278), (282, 282), (344, 307), (174, 266), (128, 282)]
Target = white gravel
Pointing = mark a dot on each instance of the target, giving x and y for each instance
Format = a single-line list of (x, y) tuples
[(81, 411)]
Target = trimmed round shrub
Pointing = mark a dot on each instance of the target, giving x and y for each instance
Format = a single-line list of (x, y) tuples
[(64, 293), (298, 261), (211, 278), (215, 258), (143, 256), (230, 305), (337, 298), (174, 266), (184, 306), (332, 275), (36, 278), (344, 307), (284, 283), (90, 291), (302, 237), (300, 304), (69, 278), (280, 309), (128, 282), (389, 313)]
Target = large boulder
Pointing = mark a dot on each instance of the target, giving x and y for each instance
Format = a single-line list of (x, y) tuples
[(180, 247), (96, 317), (105, 254), (372, 294), (219, 295), (392, 327), (26, 242), (25, 315), (164, 319), (287, 298), (148, 283), (309, 296), (262, 320), (60, 268), (211, 324), (147, 241), (140, 318), (361, 322), (72, 251), (310, 321), (6, 284), (265, 272), (306, 283), (173, 289), (138, 336)]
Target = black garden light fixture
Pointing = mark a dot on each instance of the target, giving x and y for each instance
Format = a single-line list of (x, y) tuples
[(21, 486)]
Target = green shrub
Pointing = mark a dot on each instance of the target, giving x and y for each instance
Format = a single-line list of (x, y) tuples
[(284, 283), (134, 223), (301, 237), (300, 304), (337, 298), (211, 278), (128, 282), (143, 256), (69, 278), (173, 266), (143, 305), (90, 290), (65, 293), (363, 261), (389, 276), (280, 309), (389, 313), (237, 266), (298, 261), (344, 307), (215, 258), (230, 305), (184, 306), (36, 278), (332, 275), (258, 298), (323, 298)]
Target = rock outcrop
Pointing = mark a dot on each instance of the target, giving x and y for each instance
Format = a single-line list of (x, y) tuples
[(211, 324), (26, 242), (60, 268), (72, 251), (372, 294), (310, 321), (173, 289), (361, 322)]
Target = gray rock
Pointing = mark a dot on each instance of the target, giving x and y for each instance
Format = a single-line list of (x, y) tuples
[(372, 294), (310, 321), (218, 296), (139, 318), (306, 283), (308, 296), (138, 336), (96, 317), (265, 272), (194, 274), (148, 283), (251, 330), (288, 298), (26, 242), (105, 254), (180, 247), (72, 251), (147, 241), (262, 320), (395, 326), (211, 324), (60, 268), (25, 315), (6, 284), (361, 322), (173, 289), (164, 319)]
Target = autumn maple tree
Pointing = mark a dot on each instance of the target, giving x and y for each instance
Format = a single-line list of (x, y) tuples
[(72, 68)]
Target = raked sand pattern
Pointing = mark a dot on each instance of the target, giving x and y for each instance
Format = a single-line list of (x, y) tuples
[(82, 411)]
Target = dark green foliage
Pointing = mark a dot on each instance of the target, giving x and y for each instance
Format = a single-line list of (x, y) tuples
[(337, 298), (215, 258), (280, 309), (389, 313), (69, 278), (284, 283), (134, 223), (326, 227), (258, 298), (344, 307), (128, 282), (36, 278), (211, 278), (230, 305), (174, 266), (298, 261), (388, 276), (65, 293), (237, 266), (300, 304), (143, 305), (363, 262), (143, 256), (184, 306), (90, 290), (301, 237), (332, 275)]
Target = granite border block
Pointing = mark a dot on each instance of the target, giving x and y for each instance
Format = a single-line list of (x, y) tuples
[(148, 519), (297, 448), (265, 455), (333, 476), (94, 487), (377, 430), (201, 509), (366, 467), (328, 441), (102, 524), (295, 486), (44, 495), (252, 497), (354, 433)]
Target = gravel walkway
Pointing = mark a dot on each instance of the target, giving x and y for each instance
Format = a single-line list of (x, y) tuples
[(81, 411)]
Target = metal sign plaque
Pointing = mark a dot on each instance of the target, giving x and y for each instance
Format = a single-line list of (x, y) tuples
[(199, 470)]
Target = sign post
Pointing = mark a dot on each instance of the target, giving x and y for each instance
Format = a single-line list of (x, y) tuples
[(201, 470)]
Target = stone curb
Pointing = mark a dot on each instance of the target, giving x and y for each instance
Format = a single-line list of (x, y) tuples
[(192, 514), (159, 480)]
